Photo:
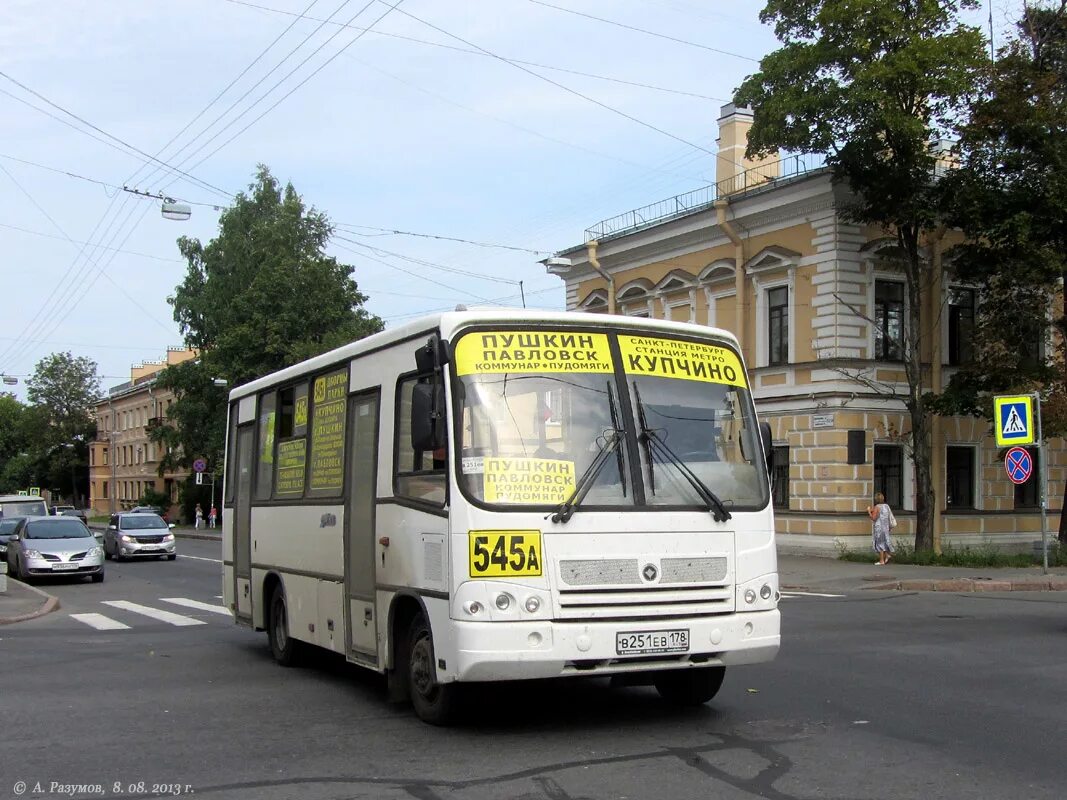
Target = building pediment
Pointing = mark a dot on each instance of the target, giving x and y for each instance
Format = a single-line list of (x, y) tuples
[(773, 257)]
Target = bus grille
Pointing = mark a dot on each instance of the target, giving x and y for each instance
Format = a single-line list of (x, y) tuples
[(615, 588)]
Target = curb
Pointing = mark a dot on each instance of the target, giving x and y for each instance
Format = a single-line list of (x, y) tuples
[(206, 537), (50, 604), (974, 585)]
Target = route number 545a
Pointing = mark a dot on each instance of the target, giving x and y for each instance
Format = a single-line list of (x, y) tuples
[(496, 554)]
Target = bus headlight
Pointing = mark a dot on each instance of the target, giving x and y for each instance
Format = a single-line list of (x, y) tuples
[(503, 601), (765, 592), (750, 596), (473, 607), (532, 604)]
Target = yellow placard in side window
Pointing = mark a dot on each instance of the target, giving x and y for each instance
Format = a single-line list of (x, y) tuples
[(530, 481), (673, 358), (532, 351), (498, 554)]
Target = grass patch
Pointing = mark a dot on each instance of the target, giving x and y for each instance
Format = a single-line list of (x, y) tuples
[(984, 555)]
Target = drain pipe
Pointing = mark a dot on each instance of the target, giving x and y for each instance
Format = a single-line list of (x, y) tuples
[(591, 246), (739, 267)]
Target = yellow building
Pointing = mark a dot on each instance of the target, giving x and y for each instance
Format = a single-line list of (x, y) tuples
[(767, 254), (123, 461)]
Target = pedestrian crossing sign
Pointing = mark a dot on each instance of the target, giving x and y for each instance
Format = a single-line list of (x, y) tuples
[(1013, 419)]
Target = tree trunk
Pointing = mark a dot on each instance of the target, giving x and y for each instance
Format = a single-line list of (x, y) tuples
[(919, 276), (1063, 506)]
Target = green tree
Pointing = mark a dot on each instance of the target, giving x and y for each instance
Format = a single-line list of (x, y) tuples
[(1010, 197), (260, 296), (63, 388), (873, 84)]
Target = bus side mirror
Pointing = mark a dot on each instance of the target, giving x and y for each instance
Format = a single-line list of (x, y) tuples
[(768, 446), (427, 416)]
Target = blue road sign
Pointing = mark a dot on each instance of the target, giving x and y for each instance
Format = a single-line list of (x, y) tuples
[(1019, 465), (1014, 420)]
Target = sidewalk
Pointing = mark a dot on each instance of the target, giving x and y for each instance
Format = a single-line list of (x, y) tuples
[(21, 602), (810, 573)]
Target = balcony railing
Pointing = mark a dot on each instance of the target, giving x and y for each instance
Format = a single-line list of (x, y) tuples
[(760, 177)]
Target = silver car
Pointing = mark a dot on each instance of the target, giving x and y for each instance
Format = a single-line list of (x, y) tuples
[(49, 546), (138, 535)]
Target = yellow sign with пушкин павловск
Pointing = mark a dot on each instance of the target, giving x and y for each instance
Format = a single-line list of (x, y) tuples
[(527, 481), (532, 351), (674, 358)]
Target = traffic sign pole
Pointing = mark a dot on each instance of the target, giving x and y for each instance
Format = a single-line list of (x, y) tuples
[(1042, 468)]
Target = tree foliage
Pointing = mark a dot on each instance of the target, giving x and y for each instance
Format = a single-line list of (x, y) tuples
[(874, 84), (46, 442), (262, 295), (1010, 197)]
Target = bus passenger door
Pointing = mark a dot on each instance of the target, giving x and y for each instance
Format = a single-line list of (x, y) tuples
[(360, 623), (242, 523)]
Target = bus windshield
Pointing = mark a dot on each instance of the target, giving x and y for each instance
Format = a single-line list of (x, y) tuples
[(535, 409), (532, 422)]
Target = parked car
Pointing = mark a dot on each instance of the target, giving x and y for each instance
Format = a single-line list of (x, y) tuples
[(70, 511), (21, 505), (7, 530), (145, 510), (138, 535), (45, 546), (56, 511)]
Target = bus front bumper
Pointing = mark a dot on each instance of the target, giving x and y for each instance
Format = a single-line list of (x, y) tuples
[(494, 651)]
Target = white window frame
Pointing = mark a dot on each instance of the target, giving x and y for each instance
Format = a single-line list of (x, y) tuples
[(763, 319), (888, 277)]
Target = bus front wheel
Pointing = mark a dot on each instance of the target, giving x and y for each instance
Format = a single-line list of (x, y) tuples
[(435, 703), (284, 648), (689, 687)]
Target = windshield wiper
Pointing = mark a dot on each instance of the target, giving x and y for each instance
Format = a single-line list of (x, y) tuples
[(653, 443), (565, 510)]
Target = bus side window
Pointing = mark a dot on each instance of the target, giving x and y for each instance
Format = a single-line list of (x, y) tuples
[(419, 475)]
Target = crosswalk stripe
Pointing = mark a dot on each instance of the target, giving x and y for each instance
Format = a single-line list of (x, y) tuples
[(154, 613), (100, 622), (200, 558), (184, 601), (809, 594)]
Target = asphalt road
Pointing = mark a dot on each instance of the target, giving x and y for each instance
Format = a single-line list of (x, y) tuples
[(873, 696)]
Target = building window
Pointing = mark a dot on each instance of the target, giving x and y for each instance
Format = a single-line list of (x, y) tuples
[(960, 326), (778, 325), (959, 477), (107, 451), (888, 320), (104, 493), (889, 473), (1027, 494), (780, 476)]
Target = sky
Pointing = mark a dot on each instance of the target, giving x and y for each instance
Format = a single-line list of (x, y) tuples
[(397, 128)]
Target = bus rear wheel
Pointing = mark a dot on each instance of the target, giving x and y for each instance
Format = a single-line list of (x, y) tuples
[(284, 648), (435, 703), (689, 687)]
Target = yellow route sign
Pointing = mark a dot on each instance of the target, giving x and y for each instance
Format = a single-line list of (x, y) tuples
[(532, 351), (673, 358)]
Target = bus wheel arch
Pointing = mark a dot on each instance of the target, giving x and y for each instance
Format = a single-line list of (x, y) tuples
[(286, 650), (403, 609)]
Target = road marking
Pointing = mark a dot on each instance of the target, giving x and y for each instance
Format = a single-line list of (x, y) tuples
[(200, 558), (154, 613), (809, 594), (184, 601), (100, 622)]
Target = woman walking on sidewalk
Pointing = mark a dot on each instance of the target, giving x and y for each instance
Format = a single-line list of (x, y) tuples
[(198, 517), (882, 522)]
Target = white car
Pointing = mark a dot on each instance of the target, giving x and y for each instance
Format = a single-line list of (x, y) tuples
[(138, 534)]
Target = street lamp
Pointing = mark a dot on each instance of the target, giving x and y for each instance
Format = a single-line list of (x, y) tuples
[(10, 380)]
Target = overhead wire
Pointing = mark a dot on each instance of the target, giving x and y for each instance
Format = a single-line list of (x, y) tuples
[(77, 241), (473, 52), (316, 71), (568, 89), (392, 232), (124, 143), (674, 39)]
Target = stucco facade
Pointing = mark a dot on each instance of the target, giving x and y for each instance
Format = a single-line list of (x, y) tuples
[(771, 258), (123, 461)]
